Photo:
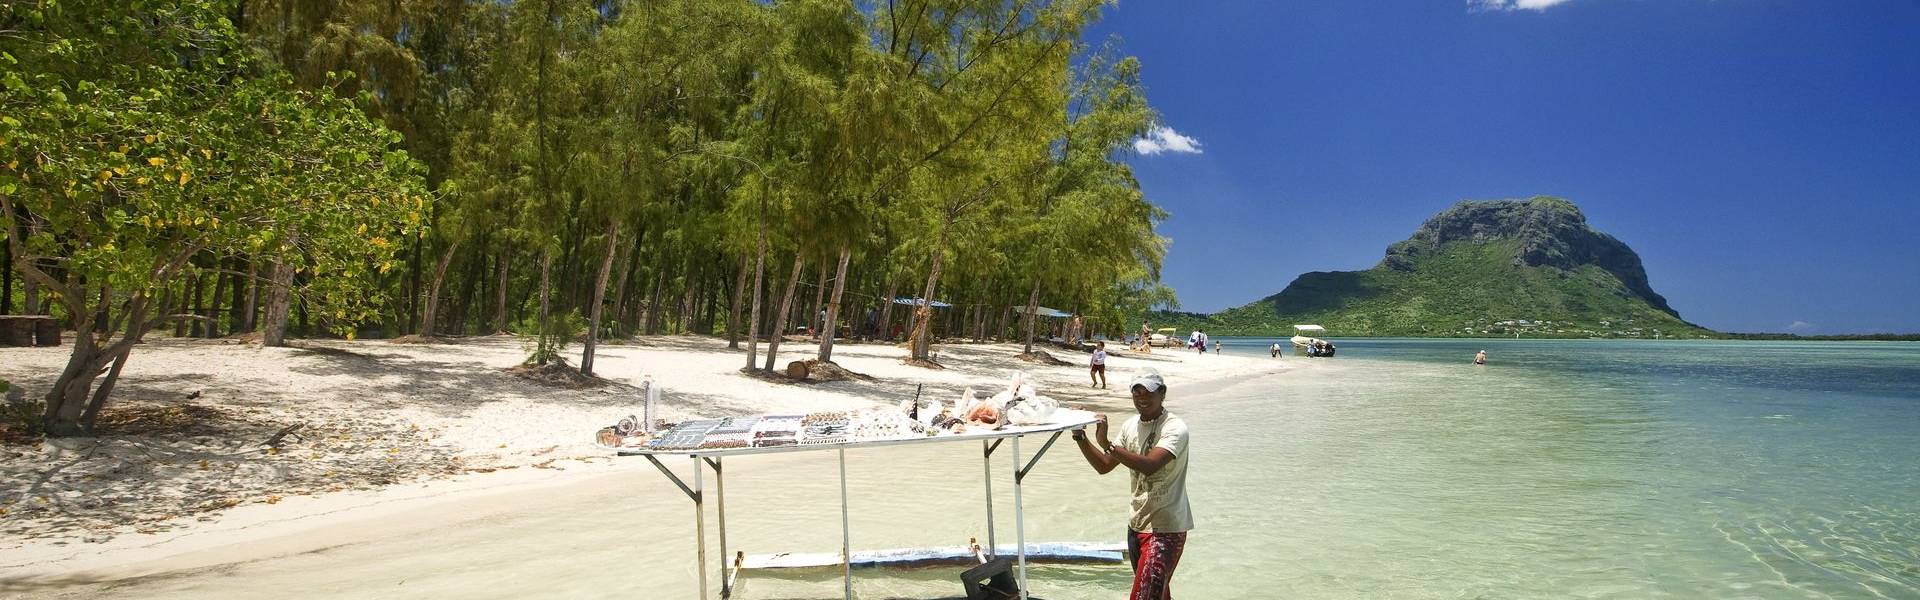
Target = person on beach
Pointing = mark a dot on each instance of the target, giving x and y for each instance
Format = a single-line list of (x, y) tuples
[(1216, 346), (1153, 446), (1098, 368), (1481, 358)]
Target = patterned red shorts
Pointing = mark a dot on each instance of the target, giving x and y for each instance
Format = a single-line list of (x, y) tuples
[(1154, 557)]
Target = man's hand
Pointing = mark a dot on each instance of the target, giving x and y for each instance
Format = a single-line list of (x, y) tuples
[(1095, 452)]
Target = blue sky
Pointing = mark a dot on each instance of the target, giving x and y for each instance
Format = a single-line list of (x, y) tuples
[(1762, 156)]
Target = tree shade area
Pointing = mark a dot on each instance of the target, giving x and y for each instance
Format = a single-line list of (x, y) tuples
[(568, 170)]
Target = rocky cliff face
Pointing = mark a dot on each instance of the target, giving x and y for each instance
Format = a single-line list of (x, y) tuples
[(1551, 232)]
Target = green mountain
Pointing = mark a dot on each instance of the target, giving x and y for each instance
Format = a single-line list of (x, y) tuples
[(1480, 268)]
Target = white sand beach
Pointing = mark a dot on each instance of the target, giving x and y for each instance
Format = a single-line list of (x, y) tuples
[(184, 479)]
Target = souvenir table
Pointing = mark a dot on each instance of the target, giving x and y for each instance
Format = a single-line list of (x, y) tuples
[(709, 442)]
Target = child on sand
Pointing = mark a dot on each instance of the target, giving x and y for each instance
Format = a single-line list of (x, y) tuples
[(1097, 370)]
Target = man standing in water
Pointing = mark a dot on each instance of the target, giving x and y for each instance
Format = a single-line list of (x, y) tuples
[(1481, 358), (1153, 447)]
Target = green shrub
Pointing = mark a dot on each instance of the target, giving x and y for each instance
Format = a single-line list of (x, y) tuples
[(19, 414), (548, 346)]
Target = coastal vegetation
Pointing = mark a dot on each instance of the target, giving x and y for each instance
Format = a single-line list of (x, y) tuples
[(1533, 268), (563, 169)]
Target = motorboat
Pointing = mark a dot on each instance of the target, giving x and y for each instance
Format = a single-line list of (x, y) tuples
[(1303, 339), (1304, 336)]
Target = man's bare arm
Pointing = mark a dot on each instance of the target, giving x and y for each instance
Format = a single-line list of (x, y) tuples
[(1145, 464), (1102, 462)]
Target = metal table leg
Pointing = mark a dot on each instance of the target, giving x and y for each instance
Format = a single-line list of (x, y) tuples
[(846, 541), (986, 463), (700, 526), (720, 509), (1019, 520), (1019, 508)]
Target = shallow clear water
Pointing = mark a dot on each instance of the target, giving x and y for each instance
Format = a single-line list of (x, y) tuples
[(1588, 469), (1604, 469)]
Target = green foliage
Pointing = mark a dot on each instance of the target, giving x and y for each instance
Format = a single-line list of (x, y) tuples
[(21, 416), (126, 169), (549, 345)]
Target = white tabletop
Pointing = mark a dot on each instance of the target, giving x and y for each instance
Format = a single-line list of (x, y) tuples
[(1064, 419)]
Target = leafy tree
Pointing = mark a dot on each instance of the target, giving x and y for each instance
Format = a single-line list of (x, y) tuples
[(141, 135)]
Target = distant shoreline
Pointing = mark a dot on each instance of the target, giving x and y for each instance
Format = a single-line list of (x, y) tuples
[(1737, 337)]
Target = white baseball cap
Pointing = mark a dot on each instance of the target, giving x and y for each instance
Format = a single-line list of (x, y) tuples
[(1149, 379)]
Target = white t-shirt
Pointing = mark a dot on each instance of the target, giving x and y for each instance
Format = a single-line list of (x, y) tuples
[(1159, 500), (1099, 357)]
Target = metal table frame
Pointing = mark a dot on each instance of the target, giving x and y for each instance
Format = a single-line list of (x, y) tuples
[(989, 442)]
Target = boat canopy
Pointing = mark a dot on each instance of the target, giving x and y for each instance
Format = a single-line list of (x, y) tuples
[(1309, 329), (916, 302), (1166, 329)]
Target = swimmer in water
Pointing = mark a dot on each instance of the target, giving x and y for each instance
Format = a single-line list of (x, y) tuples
[(1481, 358)]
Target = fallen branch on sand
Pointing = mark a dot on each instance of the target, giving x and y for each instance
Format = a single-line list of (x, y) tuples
[(420, 339), (819, 370), (1041, 357), (923, 362), (283, 433)]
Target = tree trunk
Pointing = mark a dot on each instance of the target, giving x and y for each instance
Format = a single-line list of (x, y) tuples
[(279, 293), (433, 289), (413, 285), (242, 272), (739, 295), (599, 294), (67, 399), (136, 329), (31, 295), (470, 284), (500, 264), (73, 403), (886, 309), (251, 312), (544, 350), (6, 279), (781, 319), (923, 313), (620, 286), (833, 306), (213, 311), (690, 290), (759, 273), (653, 301), (188, 294), (1033, 305), (814, 318)]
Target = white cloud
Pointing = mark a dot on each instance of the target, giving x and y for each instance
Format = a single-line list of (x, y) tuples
[(1511, 5), (1164, 139), (1801, 326)]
